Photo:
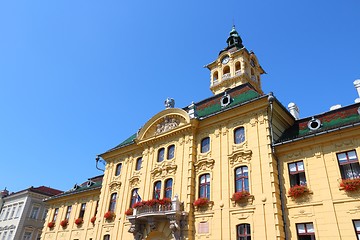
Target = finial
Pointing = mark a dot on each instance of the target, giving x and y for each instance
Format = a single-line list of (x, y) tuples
[(169, 103)]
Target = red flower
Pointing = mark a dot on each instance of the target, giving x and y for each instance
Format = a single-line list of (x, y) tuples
[(151, 202), (201, 202), (238, 196), (298, 191), (350, 185), (129, 212), (51, 224), (137, 205), (109, 215), (64, 223), (165, 201), (78, 221), (93, 219)]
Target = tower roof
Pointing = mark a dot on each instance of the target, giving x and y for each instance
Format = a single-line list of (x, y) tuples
[(234, 40)]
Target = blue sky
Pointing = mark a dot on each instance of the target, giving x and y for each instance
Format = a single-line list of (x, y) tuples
[(79, 77)]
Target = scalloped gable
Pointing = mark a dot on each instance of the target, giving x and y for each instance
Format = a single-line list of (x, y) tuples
[(163, 122)]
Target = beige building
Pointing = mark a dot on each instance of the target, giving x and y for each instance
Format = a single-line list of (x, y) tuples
[(237, 165)]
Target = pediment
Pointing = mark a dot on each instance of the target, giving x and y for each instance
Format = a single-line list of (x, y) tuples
[(163, 122)]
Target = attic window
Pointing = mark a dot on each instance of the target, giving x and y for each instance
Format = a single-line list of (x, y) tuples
[(89, 183), (314, 124), (75, 187), (225, 100)]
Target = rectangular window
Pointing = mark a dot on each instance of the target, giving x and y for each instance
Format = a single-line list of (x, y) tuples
[(7, 213), (18, 211), (349, 165), (297, 173), (10, 234), (34, 212), (12, 212), (305, 231), (357, 228), (27, 236), (204, 187), (68, 211), (243, 232), (2, 214), (157, 190), (4, 236), (241, 179), (55, 214), (45, 214), (82, 210)]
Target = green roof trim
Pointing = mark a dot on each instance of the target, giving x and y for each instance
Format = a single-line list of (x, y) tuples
[(329, 120), (127, 141), (241, 98)]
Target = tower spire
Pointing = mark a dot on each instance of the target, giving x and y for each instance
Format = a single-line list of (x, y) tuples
[(234, 40)]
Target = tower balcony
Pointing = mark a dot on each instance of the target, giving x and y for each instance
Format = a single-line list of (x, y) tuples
[(149, 216)]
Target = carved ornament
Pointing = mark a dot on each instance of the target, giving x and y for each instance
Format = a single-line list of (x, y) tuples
[(134, 181), (302, 213), (240, 156), (204, 164), (167, 124), (165, 169), (114, 186)]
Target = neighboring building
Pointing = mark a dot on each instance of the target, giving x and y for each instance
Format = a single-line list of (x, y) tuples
[(237, 165), (23, 213), (72, 213)]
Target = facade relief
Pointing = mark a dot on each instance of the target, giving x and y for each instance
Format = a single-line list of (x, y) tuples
[(164, 169), (134, 181), (240, 156), (204, 164), (114, 186), (167, 124)]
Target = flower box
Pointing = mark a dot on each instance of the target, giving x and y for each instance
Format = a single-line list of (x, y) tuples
[(129, 212), (151, 202), (137, 205), (298, 191), (201, 202), (240, 196), (93, 219), (350, 185), (109, 215), (51, 224), (64, 223), (79, 221), (165, 201)]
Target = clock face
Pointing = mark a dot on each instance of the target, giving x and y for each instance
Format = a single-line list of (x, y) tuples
[(225, 60)]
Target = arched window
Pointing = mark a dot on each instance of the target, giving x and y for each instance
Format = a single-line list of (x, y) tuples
[(243, 232), (241, 179), (138, 164), (118, 169), (237, 66), (168, 188), (161, 153), (239, 135), (204, 187), (107, 237), (134, 197), (112, 204), (226, 70), (252, 72), (171, 152), (205, 145), (215, 76), (157, 190)]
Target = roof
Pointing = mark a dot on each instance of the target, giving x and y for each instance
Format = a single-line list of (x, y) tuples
[(330, 121), (91, 184), (210, 106), (47, 191)]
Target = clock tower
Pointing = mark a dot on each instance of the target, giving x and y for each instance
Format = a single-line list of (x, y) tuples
[(234, 66)]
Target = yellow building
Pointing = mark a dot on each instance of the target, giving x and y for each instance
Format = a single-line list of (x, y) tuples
[(237, 165), (72, 214)]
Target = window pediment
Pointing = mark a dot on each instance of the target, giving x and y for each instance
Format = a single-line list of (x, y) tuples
[(204, 164), (240, 156), (114, 186), (163, 170)]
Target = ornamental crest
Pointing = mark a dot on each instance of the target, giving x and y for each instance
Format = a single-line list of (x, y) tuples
[(242, 156), (115, 186), (134, 181), (166, 125), (164, 170), (204, 164)]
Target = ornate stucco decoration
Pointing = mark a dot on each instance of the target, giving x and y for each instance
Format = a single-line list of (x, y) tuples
[(114, 186), (204, 164), (167, 124), (134, 181), (303, 213), (164, 123), (240, 156), (354, 210), (164, 169)]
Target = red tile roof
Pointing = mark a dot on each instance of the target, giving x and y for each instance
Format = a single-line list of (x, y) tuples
[(45, 190)]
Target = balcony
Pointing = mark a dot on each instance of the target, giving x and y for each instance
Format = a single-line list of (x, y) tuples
[(238, 72), (150, 215)]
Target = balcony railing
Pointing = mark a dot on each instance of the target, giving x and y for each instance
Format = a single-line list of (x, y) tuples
[(158, 209), (226, 75), (238, 72)]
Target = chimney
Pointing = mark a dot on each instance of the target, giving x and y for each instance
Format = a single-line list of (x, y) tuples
[(294, 110), (4, 193), (357, 86)]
